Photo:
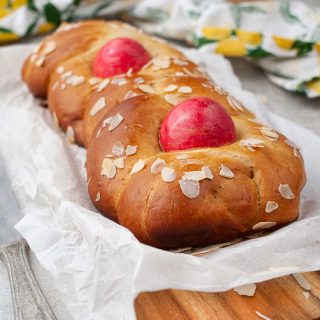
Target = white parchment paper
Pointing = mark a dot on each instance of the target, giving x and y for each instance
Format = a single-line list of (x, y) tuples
[(98, 266)]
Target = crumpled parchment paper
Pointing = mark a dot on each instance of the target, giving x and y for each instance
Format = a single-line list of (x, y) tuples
[(98, 266)]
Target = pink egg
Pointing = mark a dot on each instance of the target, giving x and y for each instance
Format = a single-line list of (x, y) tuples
[(118, 56), (196, 123)]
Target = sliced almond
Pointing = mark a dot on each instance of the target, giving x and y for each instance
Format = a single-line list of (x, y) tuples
[(182, 156), (269, 133), (220, 91), (66, 75), (60, 70), (252, 143), (207, 172), (98, 106), (119, 162), (286, 192), (146, 88), (92, 81), (170, 88), (119, 81), (271, 206), (130, 94), (130, 150), (302, 281), (75, 80), (161, 63), (180, 62), (103, 84), (246, 290), (40, 61), (70, 135), (194, 175), (262, 316), (108, 168), (138, 166), (115, 122), (157, 165), (190, 188), (138, 80), (49, 47), (55, 119), (98, 197), (264, 225), (55, 86), (107, 121), (168, 174), (118, 149), (185, 89), (226, 172), (235, 104), (306, 295), (173, 99)]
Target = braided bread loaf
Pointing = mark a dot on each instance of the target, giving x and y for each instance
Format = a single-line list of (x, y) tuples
[(199, 191)]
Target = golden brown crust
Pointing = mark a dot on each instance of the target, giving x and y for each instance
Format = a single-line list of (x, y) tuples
[(158, 212)]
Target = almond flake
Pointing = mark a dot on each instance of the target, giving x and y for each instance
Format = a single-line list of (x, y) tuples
[(180, 74), (207, 172), (108, 169), (226, 172), (185, 89), (190, 188), (98, 197), (235, 104), (49, 47), (263, 225), (119, 81), (129, 72), (271, 206), (157, 165), (130, 150), (269, 133), (262, 316), (220, 91), (306, 295), (252, 143), (75, 80), (146, 88), (103, 84), (138, 166), (107, 121), (286, 192), (55, 119), (246, 290), (115, 122), (194, 175), (60, 69), (99, 132), (168, 174), (138, 80), (70, 135), (295, 148), (66, 75), (92, 81), (33, 57), (170, 88), (130, 94), (206, 85), (161, 63), (302, 281), (182, 156), (172, 99), (191, 161), (180, 62), (55, 85), (40, 61), (63, 86), (119, 162), (98, 106), (118, 149)]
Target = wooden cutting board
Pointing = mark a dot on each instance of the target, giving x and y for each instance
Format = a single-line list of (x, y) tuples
[(278, 299)]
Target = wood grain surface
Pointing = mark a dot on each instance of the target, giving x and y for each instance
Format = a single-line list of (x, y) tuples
[(278, 299)]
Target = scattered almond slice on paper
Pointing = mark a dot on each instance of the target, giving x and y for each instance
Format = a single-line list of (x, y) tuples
[(190, 188), (138, 166), (246, 290), (302, 281)]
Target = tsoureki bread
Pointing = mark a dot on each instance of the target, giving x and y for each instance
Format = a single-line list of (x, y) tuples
[(170, 154)]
